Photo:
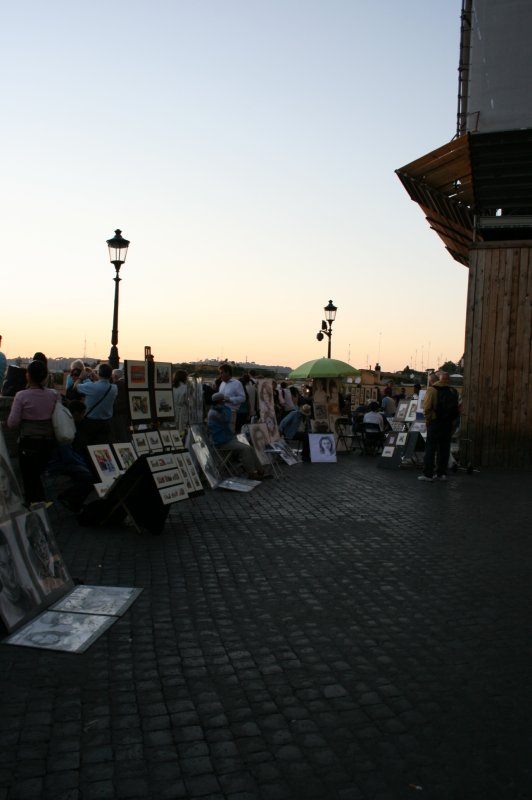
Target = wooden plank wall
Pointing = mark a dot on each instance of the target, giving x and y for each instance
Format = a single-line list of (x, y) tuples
[(497, 399)]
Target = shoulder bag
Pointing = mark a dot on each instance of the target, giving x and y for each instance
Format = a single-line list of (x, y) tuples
[(63, 423)]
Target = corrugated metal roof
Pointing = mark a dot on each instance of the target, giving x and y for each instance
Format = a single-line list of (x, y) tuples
[(473, 175)]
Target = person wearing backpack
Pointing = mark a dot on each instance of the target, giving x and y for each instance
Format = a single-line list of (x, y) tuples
[(440, 407)]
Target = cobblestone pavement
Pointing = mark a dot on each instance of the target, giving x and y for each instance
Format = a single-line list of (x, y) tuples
[(343, 632)]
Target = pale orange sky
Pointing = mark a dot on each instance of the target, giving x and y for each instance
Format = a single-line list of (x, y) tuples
[(254, 177)]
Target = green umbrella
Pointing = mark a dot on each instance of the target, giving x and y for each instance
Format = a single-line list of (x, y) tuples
[(322, 368)]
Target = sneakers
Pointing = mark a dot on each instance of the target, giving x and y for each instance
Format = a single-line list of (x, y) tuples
[(424, 478)]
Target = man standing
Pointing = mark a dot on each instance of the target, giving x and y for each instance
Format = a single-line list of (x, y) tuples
[(440, 407), (232, 390), (99, 401)]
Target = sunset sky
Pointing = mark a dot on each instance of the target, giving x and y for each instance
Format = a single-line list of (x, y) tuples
[(247, 149)]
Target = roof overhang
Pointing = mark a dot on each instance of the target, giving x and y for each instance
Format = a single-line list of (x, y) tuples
[(474, 187)]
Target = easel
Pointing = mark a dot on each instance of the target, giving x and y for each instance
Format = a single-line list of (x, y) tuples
[(133, 494)]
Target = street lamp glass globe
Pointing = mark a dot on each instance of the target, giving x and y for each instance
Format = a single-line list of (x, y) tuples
[(330, 312), (117, 248)]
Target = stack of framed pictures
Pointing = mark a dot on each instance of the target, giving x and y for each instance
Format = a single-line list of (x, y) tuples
[(149, 387), (173, 471), (393, 450), (146, 442), (175, 476)]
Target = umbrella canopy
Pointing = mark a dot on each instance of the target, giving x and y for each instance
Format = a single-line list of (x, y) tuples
[(322, 368)]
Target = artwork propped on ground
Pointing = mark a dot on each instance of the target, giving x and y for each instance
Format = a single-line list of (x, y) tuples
[(322, 447), (238, 484), (73, 623)]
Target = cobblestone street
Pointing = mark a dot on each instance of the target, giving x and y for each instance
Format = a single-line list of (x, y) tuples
[(342, 632)]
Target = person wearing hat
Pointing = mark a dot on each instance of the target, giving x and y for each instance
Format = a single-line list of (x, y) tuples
[(296, 426), (223, 438)]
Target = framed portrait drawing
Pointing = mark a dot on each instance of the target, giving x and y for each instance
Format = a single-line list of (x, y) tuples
[(11, 500), (154, 441), (206, 462), (41, 552), (401, 438), (391, 439), (402, 409), (140, 443), (162, 375), (387, 452), (20, 597), (125, 454), (107, 600), (137, 374), (164, 404), (410, 415), (161, 461), (173, 494), (104, 461), (322, 447), (139, 405), (55, 630), (260, 439)]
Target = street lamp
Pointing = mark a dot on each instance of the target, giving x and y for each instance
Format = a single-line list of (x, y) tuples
[(117, 255), (330, 315)]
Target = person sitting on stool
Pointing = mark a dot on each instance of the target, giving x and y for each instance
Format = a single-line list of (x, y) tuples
[(296, 425), (223, 438)]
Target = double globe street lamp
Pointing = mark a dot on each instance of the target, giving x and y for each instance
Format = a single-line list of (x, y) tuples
[(326, 325), (117, 254)]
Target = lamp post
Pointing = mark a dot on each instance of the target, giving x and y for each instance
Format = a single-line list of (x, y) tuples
[(117, 255), (330, 315)]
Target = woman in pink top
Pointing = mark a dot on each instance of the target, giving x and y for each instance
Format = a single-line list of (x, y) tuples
[(31, 412)]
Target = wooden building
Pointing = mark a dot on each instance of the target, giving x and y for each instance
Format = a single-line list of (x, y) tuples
[(476, 193)]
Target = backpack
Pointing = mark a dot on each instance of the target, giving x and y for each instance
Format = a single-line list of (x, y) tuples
[(447, 403)]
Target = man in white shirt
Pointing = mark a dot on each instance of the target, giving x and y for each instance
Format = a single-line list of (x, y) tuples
[(232, 390)]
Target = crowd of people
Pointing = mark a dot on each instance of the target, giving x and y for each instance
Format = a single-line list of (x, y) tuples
[(98, 401)]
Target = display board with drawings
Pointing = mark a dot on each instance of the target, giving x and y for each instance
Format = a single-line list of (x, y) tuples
[(161, 449), (149, 388), (393, 449), (75, 621)]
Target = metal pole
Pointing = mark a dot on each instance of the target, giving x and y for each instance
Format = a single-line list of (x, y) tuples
[(113, 355)]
